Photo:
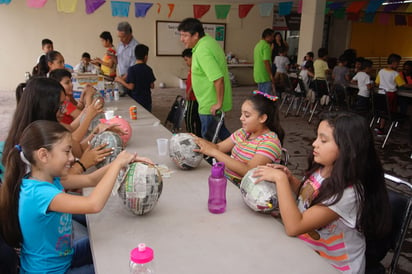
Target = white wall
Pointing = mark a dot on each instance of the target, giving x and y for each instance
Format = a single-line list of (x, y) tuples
[(23, 28)]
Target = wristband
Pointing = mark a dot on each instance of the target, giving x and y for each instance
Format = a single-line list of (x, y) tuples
[(80, 164)]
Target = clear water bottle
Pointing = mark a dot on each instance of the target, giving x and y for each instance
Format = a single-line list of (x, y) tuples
[(116, 93), (141, 260), (217, 189)]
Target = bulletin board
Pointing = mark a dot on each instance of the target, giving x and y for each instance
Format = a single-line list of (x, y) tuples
[(168, 37)]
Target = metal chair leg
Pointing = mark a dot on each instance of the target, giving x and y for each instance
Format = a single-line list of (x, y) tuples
[(290, 105), (387, 134), (313, 112)]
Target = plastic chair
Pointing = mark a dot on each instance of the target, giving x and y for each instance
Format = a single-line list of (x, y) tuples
[(321, 88), (376, 250), (299, 94), (381, 110), (284, 158)]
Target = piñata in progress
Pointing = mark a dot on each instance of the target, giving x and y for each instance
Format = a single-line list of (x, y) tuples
[(181, 147), (261, 197), (140, 187)]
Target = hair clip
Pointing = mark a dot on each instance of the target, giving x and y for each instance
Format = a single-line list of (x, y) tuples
[(270, 97), (18, 147)]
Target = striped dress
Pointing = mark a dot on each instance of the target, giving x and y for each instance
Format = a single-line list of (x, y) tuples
[(339, 242), (244, 149)]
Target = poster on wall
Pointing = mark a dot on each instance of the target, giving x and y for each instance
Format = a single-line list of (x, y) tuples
[(168, 37)]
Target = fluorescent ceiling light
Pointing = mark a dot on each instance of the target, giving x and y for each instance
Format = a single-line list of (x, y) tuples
[(397, 2)]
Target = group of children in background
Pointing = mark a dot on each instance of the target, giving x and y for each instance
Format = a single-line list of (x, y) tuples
[(315, 77)]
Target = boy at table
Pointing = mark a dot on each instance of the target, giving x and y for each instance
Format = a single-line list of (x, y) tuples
[(140, 78), (388, 80)]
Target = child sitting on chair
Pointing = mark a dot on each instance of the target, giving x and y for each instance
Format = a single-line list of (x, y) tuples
[(258, 142)]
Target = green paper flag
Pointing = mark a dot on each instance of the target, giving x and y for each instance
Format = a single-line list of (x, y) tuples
[(339, 13), (222, 11)]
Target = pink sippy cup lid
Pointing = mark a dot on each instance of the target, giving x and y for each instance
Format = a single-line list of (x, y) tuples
[(141, 254)]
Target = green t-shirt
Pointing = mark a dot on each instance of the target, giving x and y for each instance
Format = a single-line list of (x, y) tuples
[(261, 53), (208, 65)]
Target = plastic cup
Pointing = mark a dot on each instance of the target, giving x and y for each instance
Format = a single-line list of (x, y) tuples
[(162, 146), (109, 114)]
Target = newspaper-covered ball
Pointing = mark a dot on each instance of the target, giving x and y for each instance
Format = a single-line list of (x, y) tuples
[(140, 187), (112, 140), (261, 197), (181, 147)]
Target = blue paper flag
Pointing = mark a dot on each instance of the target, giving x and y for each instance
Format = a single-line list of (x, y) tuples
[(285, 8), (5, 2), (374, 5), (266, 9), (336, 5), (120, 9), (140, 9)]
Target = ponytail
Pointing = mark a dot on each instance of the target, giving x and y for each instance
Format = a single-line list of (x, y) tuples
[(9, 199)]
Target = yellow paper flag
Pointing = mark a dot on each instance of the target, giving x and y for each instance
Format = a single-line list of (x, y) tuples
[(67, 6)]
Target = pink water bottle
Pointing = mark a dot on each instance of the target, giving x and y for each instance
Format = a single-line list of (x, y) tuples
[(141, 260), (217, 189)]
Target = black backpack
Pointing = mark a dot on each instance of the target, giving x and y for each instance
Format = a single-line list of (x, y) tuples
[(176, 114)]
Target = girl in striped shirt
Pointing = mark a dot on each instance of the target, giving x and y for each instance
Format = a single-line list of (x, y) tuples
[(342, 200), (258, 142)]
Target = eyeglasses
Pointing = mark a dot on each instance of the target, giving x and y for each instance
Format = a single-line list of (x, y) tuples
[(62, 108)]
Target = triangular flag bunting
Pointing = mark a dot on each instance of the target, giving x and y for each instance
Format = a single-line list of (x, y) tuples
[(200, 10), (120, 9), (67, 6), (159, 6), (266, 9), (336, 5), (140, 9), (327, 8), (5, 2), (93, 5), (374, 5), (36, 3), (400, 20), (244, 9), (339, 14), (171, 9), (222, 11), (356, 6), (285, 8)]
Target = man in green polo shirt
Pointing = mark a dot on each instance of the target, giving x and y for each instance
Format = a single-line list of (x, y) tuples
[(262, 67), (210, 75)]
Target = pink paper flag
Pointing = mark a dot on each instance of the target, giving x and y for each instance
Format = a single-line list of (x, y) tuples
[(36, 3), (300, 4)]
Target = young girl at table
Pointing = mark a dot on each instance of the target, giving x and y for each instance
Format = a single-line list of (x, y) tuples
[(258, 142), (48, 62), (342, 199), (70, 104), (36, 213), (42, 99)]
